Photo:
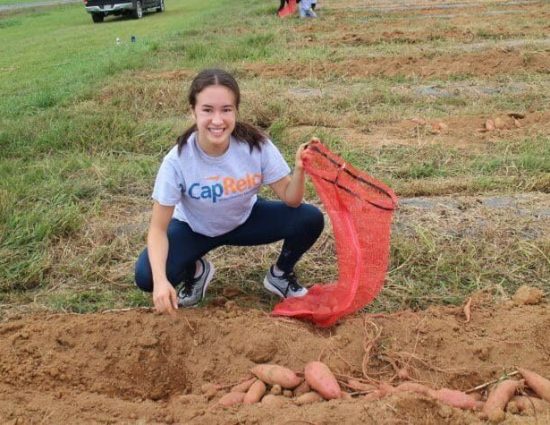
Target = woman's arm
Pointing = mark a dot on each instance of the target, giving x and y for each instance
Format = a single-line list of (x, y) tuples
[(290, 189), (164, 294)]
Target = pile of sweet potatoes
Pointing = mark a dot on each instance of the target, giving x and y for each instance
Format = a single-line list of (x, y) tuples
[(276, 385)]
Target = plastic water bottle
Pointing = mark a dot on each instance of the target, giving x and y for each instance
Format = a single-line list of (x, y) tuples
[(118, 41)]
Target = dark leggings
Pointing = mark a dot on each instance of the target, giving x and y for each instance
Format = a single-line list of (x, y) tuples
[(269, 221)]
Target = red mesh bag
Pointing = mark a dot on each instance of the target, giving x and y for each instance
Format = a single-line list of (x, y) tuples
[(360, 209), (289, 9)]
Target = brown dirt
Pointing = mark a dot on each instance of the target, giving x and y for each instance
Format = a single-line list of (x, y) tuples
[(460, 131), (490, 62), (136, 366)]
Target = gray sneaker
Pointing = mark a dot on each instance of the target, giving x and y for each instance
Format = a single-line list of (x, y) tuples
[(191, 293), (285, 286)]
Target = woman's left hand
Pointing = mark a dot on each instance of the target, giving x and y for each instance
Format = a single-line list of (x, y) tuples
[(300, 151)]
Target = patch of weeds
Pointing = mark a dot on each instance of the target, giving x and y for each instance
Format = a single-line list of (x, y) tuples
[(277, 129), (5, 23), (87, 301)]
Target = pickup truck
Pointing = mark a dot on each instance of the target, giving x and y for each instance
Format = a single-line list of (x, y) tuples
[(135, 8)]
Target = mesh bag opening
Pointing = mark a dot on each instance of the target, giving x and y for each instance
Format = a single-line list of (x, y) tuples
[(360, 209)]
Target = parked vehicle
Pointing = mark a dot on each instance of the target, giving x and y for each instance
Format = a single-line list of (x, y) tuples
[(135, 8)]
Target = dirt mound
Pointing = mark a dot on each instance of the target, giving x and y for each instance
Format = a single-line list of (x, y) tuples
[(491, 62), (128, 366)]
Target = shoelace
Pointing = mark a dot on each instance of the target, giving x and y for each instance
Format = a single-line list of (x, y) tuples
[(188, 288), (292, 282)]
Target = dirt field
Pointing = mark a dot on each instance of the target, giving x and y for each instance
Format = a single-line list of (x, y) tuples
[(137, 367)]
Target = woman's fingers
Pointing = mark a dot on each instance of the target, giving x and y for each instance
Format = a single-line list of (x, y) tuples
[(166, 302)]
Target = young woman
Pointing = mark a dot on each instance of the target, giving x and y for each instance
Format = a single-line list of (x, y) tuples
[(205, 196)]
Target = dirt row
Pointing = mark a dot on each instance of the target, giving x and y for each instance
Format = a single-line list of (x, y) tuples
[(136, 365)]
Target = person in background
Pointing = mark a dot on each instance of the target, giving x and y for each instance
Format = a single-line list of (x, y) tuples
[(206, 195), (306, 10)]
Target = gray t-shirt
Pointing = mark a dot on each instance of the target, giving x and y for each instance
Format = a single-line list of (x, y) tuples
[(214, 195)]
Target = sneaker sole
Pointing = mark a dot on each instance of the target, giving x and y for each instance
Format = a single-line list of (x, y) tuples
[(276, 291), (208, 279), (272, 289)]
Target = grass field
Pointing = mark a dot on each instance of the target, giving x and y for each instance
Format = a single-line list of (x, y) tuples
[(84, 123)]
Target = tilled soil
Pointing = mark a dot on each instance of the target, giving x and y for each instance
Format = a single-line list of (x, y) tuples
[(135, 366)]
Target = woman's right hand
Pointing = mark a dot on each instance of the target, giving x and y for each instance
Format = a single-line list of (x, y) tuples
[(165, 297)]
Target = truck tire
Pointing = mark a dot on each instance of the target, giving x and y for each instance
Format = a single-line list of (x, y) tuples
[(137, 13), (161, 6), (97, 17)]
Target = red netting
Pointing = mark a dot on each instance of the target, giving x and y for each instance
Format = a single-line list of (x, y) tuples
[(289, 9), (360, 209)]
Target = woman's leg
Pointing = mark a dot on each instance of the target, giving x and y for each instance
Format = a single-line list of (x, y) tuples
[(185, 247), (271, 221)]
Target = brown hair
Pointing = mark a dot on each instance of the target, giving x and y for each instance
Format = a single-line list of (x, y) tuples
[(218, 77)]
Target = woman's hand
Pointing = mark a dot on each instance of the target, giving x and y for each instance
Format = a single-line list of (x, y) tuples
[(301, 149), (165, 297)]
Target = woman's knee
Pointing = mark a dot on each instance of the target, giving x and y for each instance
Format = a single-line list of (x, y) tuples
[(313, 218), (143, 276)]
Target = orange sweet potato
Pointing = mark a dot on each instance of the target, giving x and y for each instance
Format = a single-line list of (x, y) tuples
[(275, 400), (302, 389), (375, 395), (255, 392), (360, 386), (499, 398), (276, 375), (231, 399), (540, 385), (243, 386), (413, 387), (527, 405), (308, 398), (455, 398), (320, 378)]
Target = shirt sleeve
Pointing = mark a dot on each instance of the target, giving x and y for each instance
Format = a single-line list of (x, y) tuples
[(169, 186), (274, 166)]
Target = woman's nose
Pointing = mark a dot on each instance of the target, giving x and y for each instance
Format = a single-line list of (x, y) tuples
[(217, 118)]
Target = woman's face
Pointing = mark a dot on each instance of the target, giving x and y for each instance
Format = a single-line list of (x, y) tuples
[(215, 114)]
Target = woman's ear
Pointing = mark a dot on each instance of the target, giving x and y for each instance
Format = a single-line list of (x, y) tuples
[(193, 114)]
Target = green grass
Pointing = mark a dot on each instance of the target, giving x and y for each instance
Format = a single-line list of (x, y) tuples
[(16, 2), (84, 124)]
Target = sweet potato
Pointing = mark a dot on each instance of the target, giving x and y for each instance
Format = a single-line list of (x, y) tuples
[(231, 399), (255, 392), (360, 386), (375, 395), (243, 386), (276, 375), (308, 398), (383, 390), (302, 389), (210, 390), (529, 406), (413, 387), (499, 398), (276, 390), (345, 395), (540, 385), (455, 398), (320, 378), (274, 400)]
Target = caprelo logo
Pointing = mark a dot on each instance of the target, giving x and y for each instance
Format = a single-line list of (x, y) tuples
[(224, 186)]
